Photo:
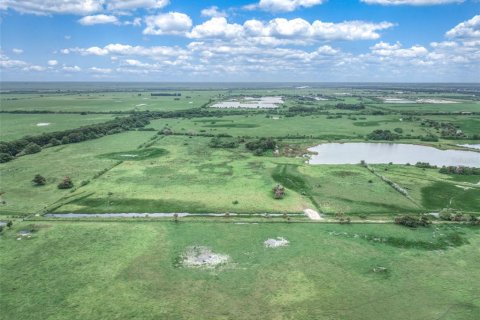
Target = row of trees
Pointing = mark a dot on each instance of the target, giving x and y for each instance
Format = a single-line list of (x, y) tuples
[(460, 170)]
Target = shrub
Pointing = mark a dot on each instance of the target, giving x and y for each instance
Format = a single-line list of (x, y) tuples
[(39, 180), (412, 222), (278, 191), (66, 183), (32, 148), (5, 157)]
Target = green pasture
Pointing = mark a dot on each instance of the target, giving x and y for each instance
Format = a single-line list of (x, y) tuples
[(106, 101), (16, 126), (79, 161), (279, 126), (130, 270)]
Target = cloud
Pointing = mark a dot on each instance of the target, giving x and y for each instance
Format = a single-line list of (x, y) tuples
[(79, 7), (168, 23), (283, 5), (71, 69), (411, 2), (288, 30), (469, 29), (101, 70), (34, 68), (7, 63), (396, 50), (135, 4), (155, 52), (44, 7), (52, 63), (98, 19), (216, 27), (17, 51), (213, 12)]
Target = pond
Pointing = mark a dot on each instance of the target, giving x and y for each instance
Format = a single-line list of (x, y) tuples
[(150, 215), (471, 146), (353, 153)]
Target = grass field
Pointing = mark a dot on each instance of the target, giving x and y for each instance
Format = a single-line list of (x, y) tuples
[(123, 270), (16, 126), (105, 101)]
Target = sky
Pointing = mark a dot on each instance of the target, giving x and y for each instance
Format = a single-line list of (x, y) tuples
[(241, 40)]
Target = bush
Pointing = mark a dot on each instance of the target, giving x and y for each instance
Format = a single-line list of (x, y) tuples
[(32, 148), (66, 183), (278, 191), (261, 145), (39, 180), (382, 135), (412, 222), (5, 157)]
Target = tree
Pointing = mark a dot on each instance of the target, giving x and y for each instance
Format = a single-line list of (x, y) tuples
[(5, 157), (32, 148), (9, 224), (39, 180), (278, 191), (66, 183)]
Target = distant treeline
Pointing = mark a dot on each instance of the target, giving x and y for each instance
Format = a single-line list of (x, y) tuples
[(34, 144), (163, 94)]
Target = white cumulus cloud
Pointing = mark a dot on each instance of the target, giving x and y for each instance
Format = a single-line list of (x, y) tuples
[(52, 63), (213, 11), (411, 2), (294, 30), (43, 7), (135, 4), (283, 5), (168, 23), (469, 29), (97, 19)]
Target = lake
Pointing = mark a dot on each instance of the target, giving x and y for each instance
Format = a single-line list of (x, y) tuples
[(353, 153)]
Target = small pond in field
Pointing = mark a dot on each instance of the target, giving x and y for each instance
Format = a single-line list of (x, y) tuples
[(471, 146), (353, 153)]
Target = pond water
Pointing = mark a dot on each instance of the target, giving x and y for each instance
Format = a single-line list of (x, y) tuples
[(471, 146), (353, 153), (148, 215), (250, 103)]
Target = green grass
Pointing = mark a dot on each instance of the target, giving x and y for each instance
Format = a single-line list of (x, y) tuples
[(16, 126), (127, 270), (79, 161), (192, 177), (105, 101), (135, 155)]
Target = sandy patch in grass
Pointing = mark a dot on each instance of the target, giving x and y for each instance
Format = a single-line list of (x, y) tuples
[(275, 243), (313, 215), (199, 256), (43, 124)]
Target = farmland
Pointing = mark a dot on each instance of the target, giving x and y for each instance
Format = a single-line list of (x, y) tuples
[(167, 150)]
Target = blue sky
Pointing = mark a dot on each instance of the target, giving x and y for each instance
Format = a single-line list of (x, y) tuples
[(257, 40)]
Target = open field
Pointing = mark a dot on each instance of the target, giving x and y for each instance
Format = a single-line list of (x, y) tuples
[(181, 172), (131, 270), (16, 126), (104, 101)]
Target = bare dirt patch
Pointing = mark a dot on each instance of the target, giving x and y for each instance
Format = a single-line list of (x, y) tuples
[(199, 256), (275, 243)]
